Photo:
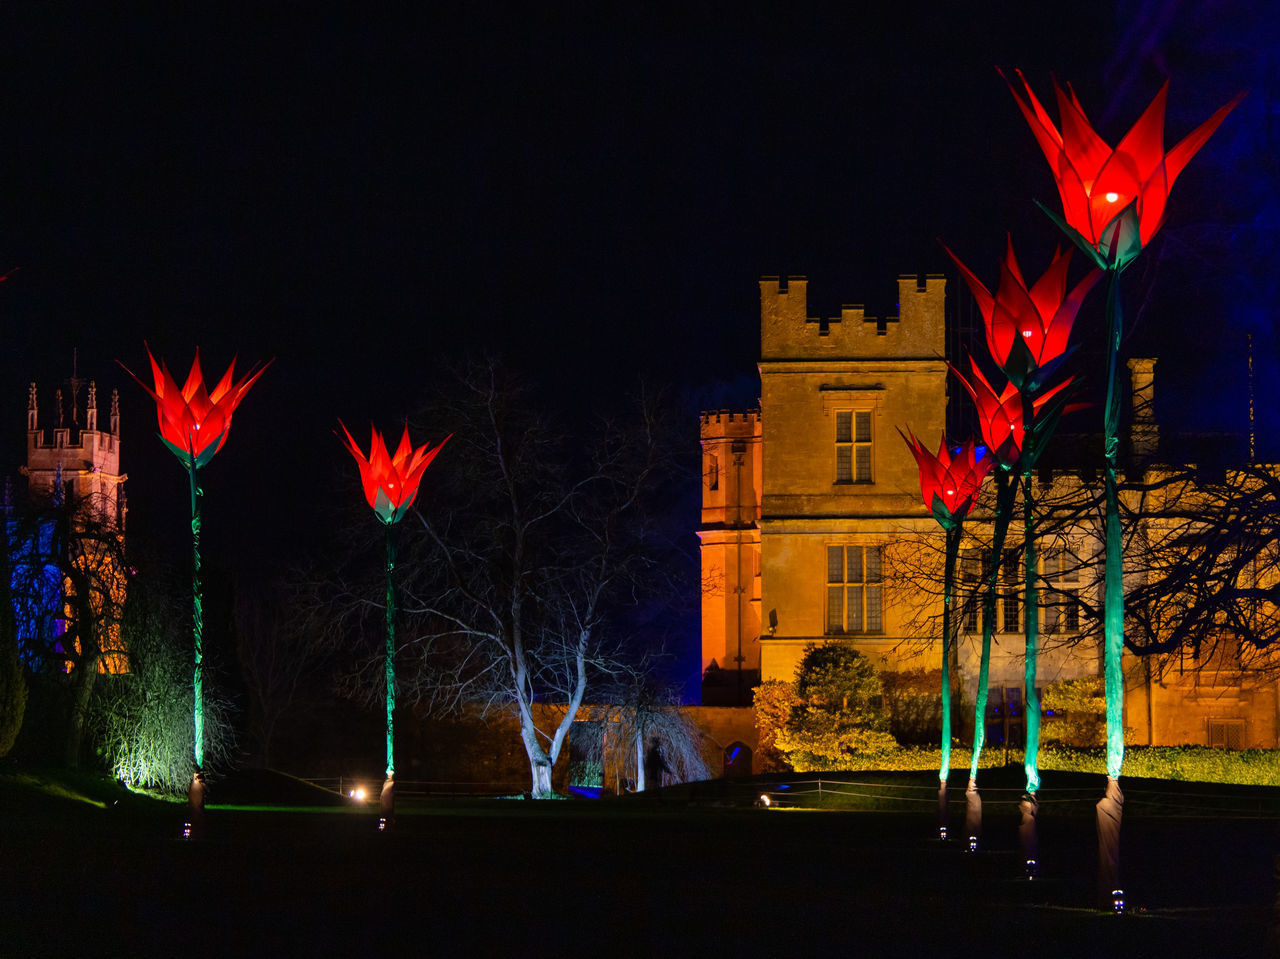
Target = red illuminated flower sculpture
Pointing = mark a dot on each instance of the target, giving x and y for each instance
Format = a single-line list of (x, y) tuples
[(391, 482), (1028, 327), (1113, 199), (1000, 415), (949, 482), (194, 420), (390, 485)]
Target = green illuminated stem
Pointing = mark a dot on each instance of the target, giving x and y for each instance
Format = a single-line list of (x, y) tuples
[(1113, 579), (1006, 490), (1033, 629), (197, 621), (391, 651), (948, 582)]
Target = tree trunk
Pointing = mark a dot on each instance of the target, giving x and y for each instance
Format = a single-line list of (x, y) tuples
[(640, 783), (539, 761), (13, 683), (84, 675), (13, 688)]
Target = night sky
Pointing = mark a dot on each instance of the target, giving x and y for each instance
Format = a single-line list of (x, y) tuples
[(364, 197)]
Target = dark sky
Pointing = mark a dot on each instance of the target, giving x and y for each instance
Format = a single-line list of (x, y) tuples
[(363, 196)]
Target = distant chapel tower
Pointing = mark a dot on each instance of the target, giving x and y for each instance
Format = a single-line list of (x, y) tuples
[(71, 458), (72, 461)]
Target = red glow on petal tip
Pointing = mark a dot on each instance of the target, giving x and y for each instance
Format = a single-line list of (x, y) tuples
[(390, 482), (1096, 182)]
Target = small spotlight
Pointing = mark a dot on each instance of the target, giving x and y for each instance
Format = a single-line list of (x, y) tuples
[(357, 794), (942, 833), (382, 824), (186, 830), (763, 801), (1112, 197), (973, 843), (1117, 901), (1033, 869)]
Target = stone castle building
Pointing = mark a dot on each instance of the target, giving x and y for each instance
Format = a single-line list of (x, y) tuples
[(806, 499)]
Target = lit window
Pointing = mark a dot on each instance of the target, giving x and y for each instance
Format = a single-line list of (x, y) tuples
[(854, 589), (971, 593), (1061, 563), (1009, 603), (853, 446), (1062, 599)]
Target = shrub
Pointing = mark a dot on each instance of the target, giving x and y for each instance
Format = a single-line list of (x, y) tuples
[(913, 699), (773, 702), (1079, 712), (839, 716)]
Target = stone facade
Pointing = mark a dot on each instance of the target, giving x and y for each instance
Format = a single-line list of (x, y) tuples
[(730, 545), (837, 479), (821, 552)]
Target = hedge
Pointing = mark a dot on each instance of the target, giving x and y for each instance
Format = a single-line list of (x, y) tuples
[(1246, 767)]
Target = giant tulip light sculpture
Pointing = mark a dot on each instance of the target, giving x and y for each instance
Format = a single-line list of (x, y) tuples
[(194, 422), (390, 483), (949, 484), (1113, 202), (1015, 425), (1028, 328)]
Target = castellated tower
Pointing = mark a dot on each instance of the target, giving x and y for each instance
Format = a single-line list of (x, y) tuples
[(801, 499), (839, 485), (730, 548)]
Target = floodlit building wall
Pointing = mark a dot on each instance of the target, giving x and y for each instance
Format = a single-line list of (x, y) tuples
[(845, 383)]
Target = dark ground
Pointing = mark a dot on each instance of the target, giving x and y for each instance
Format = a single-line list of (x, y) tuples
[(615, 877)]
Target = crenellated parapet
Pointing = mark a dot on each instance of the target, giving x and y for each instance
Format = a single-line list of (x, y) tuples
[(788, 332), (737, 421), (731, 467)]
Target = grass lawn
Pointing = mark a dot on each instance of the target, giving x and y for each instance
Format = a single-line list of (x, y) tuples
[(90, 871)]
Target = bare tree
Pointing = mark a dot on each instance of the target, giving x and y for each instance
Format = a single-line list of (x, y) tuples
[(1067, 509), (1205, 576), (532, 559), (649, 733), (68, 586), (1201, 548), (13, 682)]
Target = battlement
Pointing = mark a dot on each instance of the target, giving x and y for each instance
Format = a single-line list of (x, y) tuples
[(748, 418), (730, 428), (788, 332)]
